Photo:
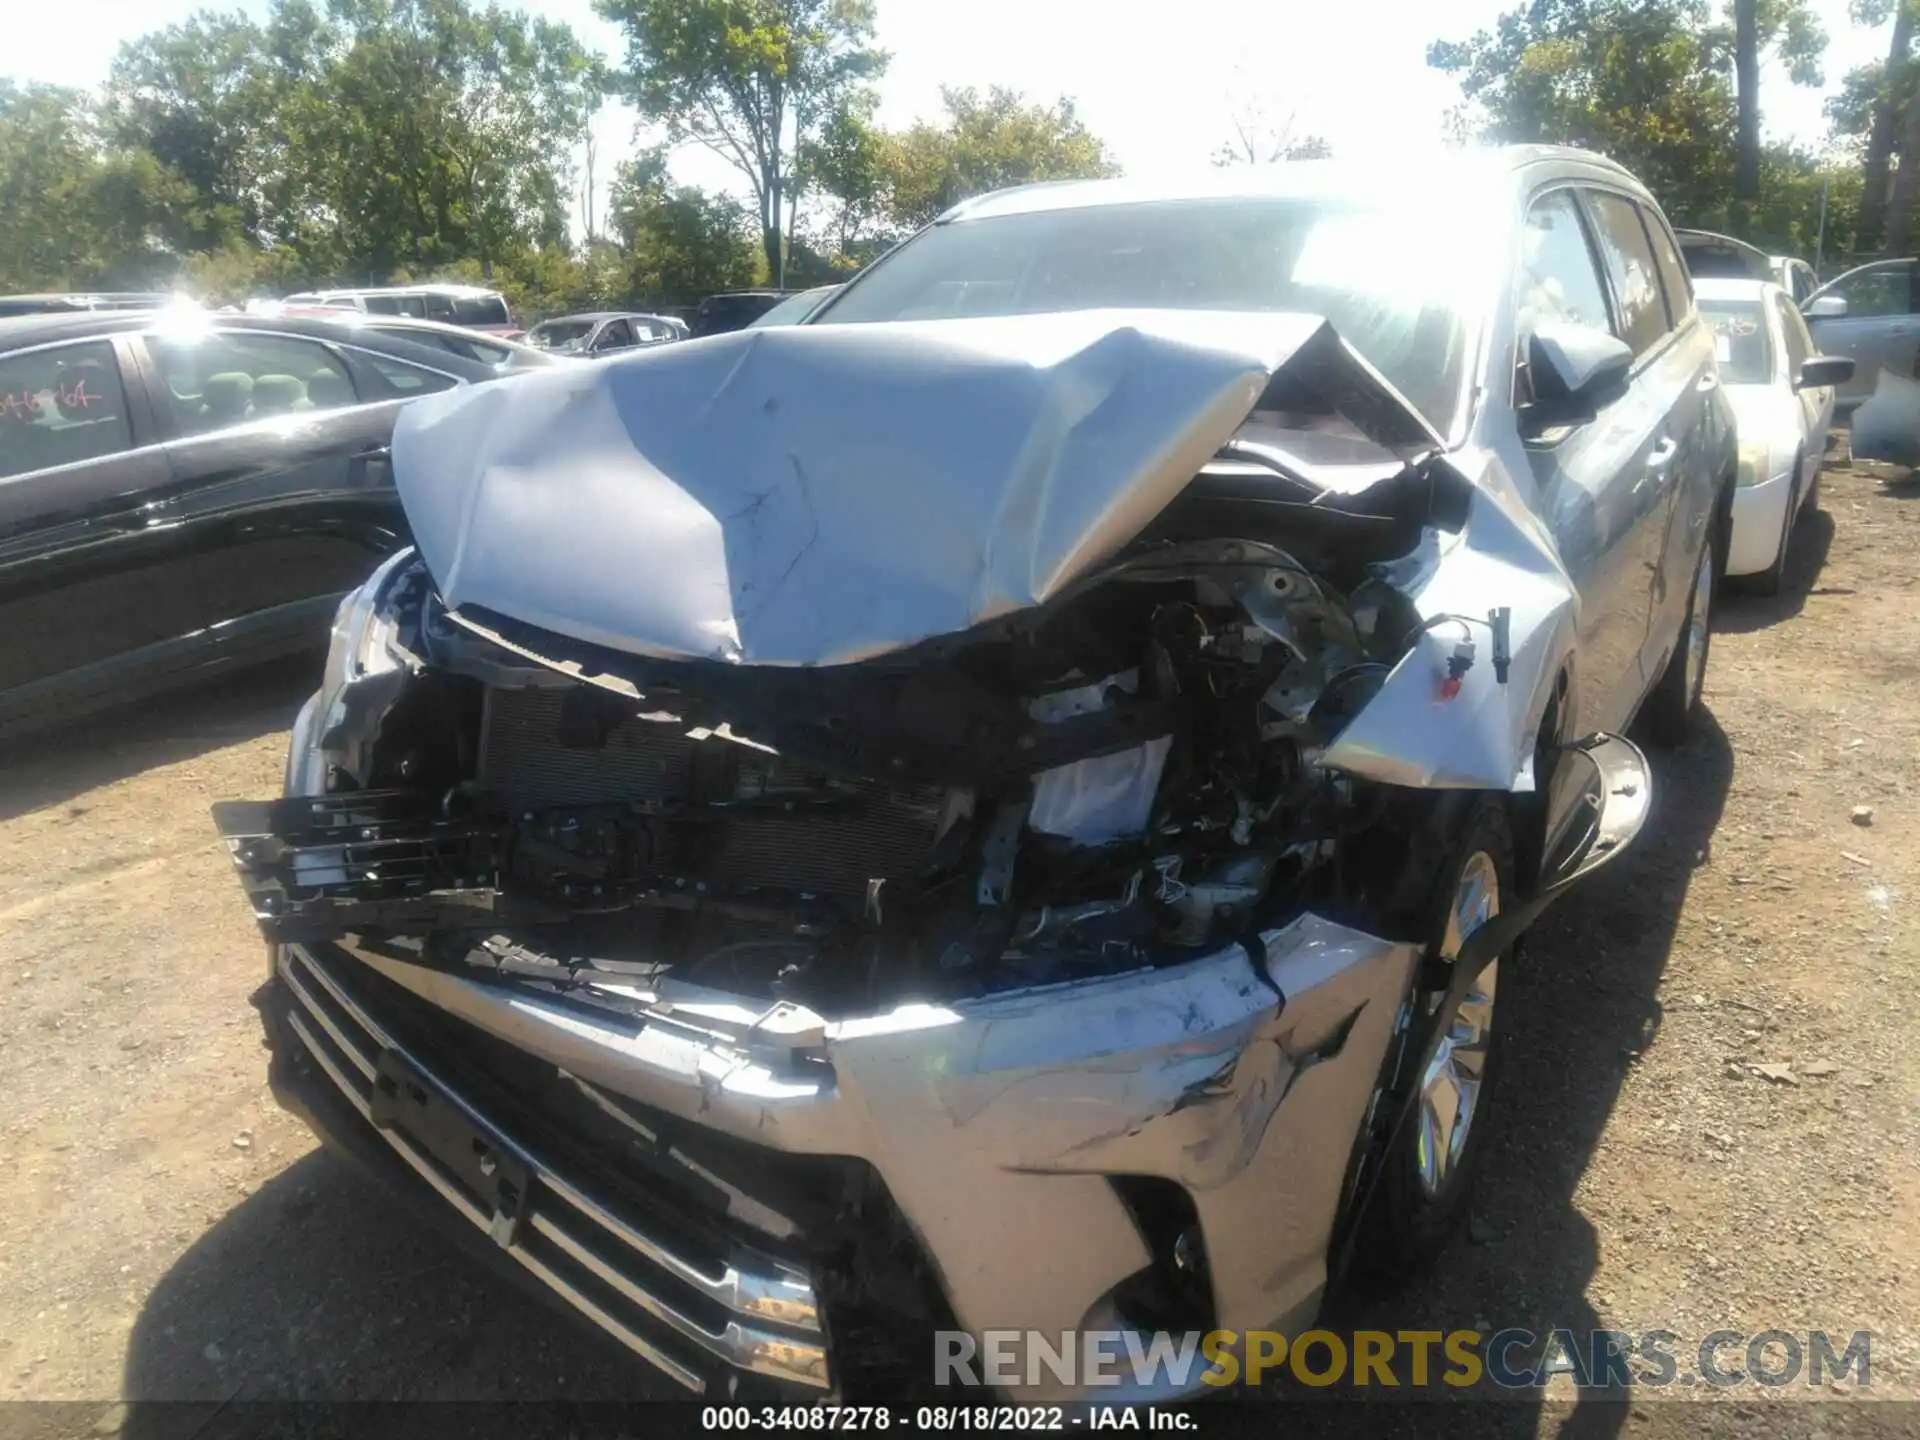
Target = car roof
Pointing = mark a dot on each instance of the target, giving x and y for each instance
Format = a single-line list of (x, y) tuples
[(1507, 166), (17, 333), (588, 315), (465, 292), (1716, 287)]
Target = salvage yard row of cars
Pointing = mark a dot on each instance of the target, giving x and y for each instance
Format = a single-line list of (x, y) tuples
[(997, 798)]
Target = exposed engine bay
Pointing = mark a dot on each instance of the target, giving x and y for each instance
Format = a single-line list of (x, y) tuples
[(1129, 777), (1135, 766)]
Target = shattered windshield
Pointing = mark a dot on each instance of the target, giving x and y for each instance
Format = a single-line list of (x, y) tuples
[(1740, 340), (1386, 287)]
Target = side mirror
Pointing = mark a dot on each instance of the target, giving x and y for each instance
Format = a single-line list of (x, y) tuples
[(1819, 371), (1826, 307), (1576, 370)]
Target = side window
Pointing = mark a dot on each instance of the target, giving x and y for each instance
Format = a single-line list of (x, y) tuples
[(61, 406), (1557, 279), (617, 336), (382, 304), (1879, 290), (481, 310), (1793, 331), (1630, 270), (439, 307), (413, 306), (231, 377), (1674, 279), (403, 381)]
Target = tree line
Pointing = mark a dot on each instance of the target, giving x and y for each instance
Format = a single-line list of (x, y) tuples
[(381, 141), (1672, 90)]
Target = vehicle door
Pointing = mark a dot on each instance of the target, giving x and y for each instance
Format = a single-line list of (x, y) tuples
[(1680, 373), (87, 576), (1816, 402), (279, 452), (1587, 474), (1877, 326)]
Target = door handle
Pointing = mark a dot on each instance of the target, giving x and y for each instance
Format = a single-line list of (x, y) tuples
[(1708, 382), (1661, 456)]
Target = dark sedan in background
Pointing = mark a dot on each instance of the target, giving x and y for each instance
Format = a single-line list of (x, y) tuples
[(182, 493)]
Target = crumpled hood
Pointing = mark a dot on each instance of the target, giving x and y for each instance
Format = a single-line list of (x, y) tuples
[(820, 495)]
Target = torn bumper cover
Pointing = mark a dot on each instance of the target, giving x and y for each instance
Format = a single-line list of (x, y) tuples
[(845, 833)]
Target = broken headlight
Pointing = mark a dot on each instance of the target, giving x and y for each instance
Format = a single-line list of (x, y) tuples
[(362, 647)]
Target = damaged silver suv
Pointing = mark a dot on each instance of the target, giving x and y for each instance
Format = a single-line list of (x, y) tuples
[(1003, 806)]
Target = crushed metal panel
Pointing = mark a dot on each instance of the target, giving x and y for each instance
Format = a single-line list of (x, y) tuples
[(820, 495), (1481, 736)]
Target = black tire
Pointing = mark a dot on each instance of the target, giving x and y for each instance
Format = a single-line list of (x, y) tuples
[(1410, 1219), (1768, 581), (1667, 718)]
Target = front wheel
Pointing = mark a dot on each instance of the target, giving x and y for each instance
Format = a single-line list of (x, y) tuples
[(1673, 704), (1426, 1175)]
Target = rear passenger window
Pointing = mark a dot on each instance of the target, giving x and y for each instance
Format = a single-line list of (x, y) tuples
[(231, 377), (403, 380), (61, 406), (1631, 270), (1557, 280), (1673, 270)]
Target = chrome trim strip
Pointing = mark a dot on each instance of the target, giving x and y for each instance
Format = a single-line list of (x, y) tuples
[(783, 1295), (771, 1354), (347, 1047)]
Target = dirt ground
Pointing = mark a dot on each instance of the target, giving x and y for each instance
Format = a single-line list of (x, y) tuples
[(166, 1233)]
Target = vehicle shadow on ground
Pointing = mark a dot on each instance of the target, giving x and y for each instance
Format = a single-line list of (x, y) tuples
[(52, 766), (1577, 1011), (1741, 612), (318, 1288)]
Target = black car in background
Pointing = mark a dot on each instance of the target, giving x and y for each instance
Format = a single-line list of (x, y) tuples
[(734, 310), (68, 302), (183, 493)]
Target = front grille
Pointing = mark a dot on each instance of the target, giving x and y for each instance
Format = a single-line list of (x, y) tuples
[(677, 1306), (879, 833)]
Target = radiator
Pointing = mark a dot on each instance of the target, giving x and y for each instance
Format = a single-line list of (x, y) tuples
[(885, 832)]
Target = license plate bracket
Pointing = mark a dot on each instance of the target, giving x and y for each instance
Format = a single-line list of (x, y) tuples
[(472, 1154)]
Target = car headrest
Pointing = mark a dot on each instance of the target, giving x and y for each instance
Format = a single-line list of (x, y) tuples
[(226, 396), (328, 388), (277, 394)]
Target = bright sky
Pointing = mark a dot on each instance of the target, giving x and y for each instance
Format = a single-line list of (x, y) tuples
[(1159, 80)]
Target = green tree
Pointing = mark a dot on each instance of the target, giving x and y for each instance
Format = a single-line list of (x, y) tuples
[(1639, 80), (758, 82), (74, 213), (197, 97), (420, 132), (988, 142), (1870, 105), (1784, 30), (677, 241)]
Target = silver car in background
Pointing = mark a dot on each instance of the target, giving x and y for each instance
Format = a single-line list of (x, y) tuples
[(1004, 805)]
